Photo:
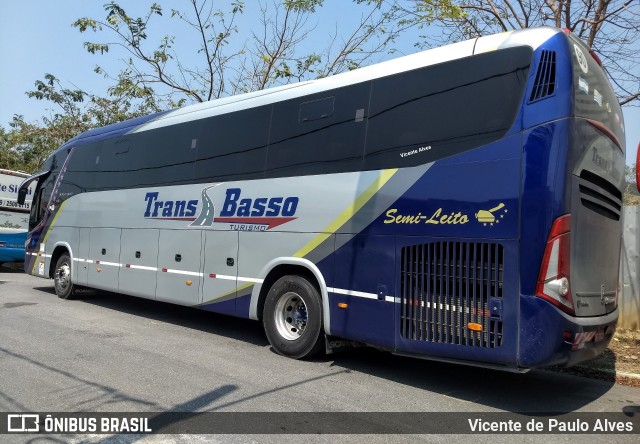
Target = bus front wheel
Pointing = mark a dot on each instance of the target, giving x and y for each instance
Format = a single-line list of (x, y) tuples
[(62, 277), (292, 317)]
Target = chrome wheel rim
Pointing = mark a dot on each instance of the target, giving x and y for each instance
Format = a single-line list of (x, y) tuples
[(290, 316), (63, 277)]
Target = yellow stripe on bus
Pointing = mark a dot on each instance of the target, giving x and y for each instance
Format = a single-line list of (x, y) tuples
[(347, 213), (333, 226), (225, 296)]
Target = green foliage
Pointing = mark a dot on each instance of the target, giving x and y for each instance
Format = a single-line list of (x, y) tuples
[(265, 55), (26, 145), (631, 194), (302, 5), (9, 158), (153, 76), (425, 12)]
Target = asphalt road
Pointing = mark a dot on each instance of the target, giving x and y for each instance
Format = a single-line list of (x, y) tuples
[(106, 352)]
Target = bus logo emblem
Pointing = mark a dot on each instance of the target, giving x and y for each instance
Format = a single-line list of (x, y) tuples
[(205, 218), (582, 60), (246, 214), (488, 217)]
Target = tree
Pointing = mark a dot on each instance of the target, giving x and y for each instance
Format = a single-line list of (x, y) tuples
[(26, 145), (231, 63), (9, 158), (155, 75), (631, 194), (610, 27)]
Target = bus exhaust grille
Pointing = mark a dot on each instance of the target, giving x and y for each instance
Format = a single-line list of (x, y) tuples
[(599, 195), (445, 286), (545, 83)]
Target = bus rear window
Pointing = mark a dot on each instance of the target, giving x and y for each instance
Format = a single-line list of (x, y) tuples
[(594, 96)]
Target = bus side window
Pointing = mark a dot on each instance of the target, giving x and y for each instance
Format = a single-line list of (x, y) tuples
[(445, 109), (34, 217), (233, 146), (80, 174), (157, 158), (320, 134)]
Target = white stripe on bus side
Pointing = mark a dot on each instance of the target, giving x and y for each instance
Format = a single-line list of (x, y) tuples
[(109, 264), (39, 254), (342, 291), (359, 294), (186, 273), (141, 267)]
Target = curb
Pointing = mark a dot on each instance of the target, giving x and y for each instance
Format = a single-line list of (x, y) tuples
[(621, 374), (615, 373), (583, 372)]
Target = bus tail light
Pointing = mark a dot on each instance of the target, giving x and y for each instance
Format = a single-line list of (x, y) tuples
[(606, 131), (554, 280), (595, 57)]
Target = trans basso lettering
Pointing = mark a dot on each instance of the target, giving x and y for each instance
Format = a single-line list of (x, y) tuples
[(260, 206), (169, 209), (242, 213)]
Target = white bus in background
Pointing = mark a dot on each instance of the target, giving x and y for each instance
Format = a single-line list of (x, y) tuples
[(14, 217)]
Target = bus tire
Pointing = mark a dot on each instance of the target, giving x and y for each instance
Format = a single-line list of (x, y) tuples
[(292, 317), (62, 277)]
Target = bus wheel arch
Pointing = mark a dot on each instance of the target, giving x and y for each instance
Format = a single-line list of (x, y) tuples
[(308, 294), (293, 317), (60, 270), (57, 252), (276, 273)]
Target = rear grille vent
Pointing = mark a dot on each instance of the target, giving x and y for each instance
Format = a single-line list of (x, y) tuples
[(599, 195), (545, 83), (602, 183), (447, 285)]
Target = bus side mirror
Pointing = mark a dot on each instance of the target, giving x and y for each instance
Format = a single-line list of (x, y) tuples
[(22, 195)]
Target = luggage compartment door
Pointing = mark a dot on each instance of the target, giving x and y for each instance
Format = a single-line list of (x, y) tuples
[(139, 257), (179, 267)]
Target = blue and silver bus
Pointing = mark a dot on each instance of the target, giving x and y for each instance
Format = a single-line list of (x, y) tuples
[(14, 217), (460, 204)]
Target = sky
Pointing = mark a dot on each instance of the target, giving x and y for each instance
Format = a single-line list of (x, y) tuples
[(36, 37)]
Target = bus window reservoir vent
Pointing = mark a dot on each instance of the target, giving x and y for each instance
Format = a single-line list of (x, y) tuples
[(545, 82)]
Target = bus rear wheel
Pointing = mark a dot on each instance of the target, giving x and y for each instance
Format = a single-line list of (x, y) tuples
[(62, 277), (292, 317)]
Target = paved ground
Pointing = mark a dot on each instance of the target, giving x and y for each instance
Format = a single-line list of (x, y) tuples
[(107, 352)]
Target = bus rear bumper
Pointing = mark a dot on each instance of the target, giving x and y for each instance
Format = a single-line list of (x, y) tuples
[(11, 255), (552, 337)]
